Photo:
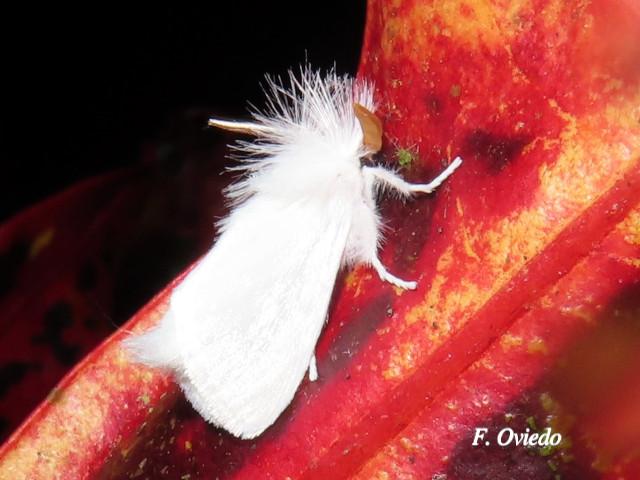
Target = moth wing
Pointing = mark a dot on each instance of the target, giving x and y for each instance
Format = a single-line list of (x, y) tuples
[(248, 317)]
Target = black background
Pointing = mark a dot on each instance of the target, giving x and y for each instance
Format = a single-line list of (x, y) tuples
[(86, 86)]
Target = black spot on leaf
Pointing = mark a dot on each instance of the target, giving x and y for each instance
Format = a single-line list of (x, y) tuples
[(11, 374), (87, 278), (434, 105), (10, 263), (66, 354), (496, 151), (57, 319)]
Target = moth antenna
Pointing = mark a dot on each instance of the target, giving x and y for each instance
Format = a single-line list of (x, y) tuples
[(241, 127), (371, 127)]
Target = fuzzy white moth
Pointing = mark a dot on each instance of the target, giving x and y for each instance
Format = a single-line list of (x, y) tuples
[(241, 329)]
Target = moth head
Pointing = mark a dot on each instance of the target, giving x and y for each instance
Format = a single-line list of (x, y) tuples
[(371, 128)]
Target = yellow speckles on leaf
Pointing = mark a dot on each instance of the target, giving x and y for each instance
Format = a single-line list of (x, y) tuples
[(421, 312), (399, 291), (633, 262), (571, 128), (479, 25), (468, 241), (475, 24), (587, 165), (355, 279), (515, 239), (59, 437), (537, 345), (508, 341), (546, 302), (612, 85), (624, 111), (467, 297), (459, 208), (551, 13), (517, 74), (630, 228), (402, 360), (445, 260), (42, 240), (439, 307), (408, 445), (395, 35), (579, 311), (588, 156), (388, 461), (486, 363), (351, 280), (547, 144), (427, 308), (383, 331), (515, 8)]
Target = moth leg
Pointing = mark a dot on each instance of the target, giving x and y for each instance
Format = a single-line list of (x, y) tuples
[(313, 369), (385, 276), (365, 236), (392, 180)]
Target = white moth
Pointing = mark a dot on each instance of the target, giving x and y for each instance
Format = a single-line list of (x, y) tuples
[(241, 329)]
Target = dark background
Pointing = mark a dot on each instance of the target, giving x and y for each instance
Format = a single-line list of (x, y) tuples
[(87, 86)]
